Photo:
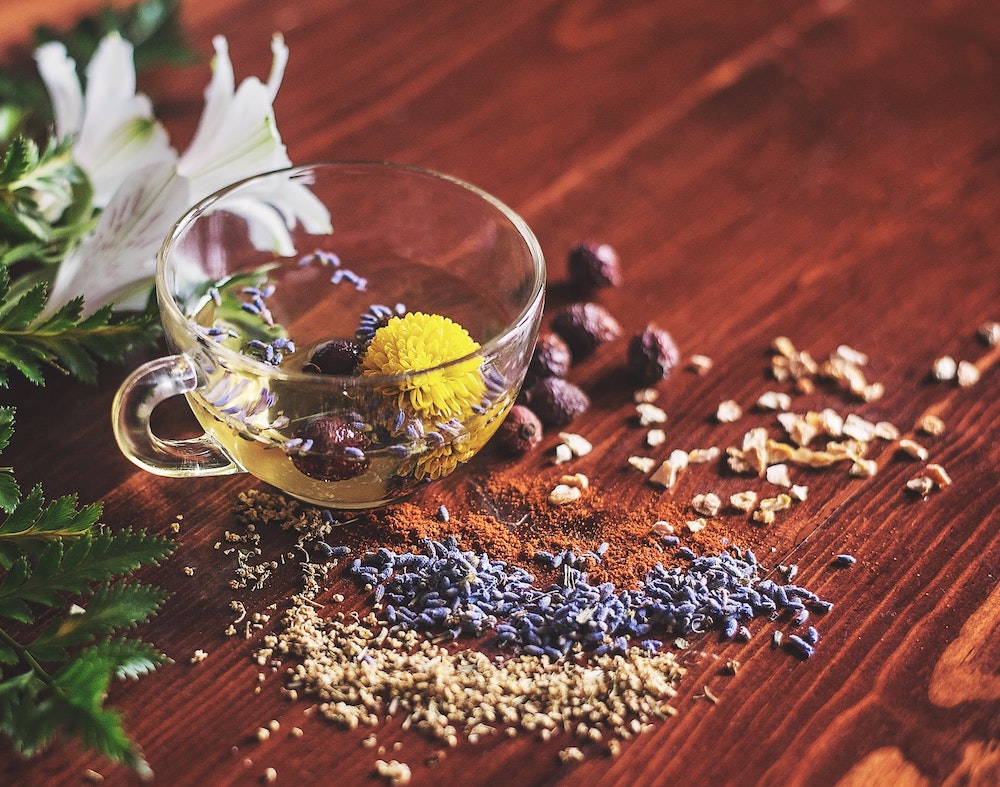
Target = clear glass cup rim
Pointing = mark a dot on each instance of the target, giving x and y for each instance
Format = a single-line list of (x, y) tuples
[(495, 342)]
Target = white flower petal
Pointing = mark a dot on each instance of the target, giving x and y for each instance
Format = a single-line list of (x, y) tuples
[(279, 59), (119, 258), (58, 72), (118, 133)]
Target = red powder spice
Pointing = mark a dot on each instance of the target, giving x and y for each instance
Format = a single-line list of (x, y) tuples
[(514, 520)]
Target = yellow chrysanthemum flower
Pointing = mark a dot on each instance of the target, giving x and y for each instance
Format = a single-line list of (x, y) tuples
[(418, 341)]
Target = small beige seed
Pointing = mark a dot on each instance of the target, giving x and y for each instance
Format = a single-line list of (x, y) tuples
[(921, 485), (728, 412), (563, 494), (989, 332), (655, 437), (938, 475), (743, 501), (578, 480), (913, 449), (944, 368), (967, 375), (644, 464), (931, 424)]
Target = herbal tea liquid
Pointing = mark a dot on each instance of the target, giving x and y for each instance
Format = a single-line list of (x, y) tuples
[(257, 417)]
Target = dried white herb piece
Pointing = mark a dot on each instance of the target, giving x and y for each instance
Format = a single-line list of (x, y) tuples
[(931, 424), (967, 374), (707, 504), (644, 464), (913, 449), (743, 501), (728, 412), (944, 368)]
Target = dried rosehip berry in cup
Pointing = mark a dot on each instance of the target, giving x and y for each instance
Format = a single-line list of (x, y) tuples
[(332, 449), (337, 356)]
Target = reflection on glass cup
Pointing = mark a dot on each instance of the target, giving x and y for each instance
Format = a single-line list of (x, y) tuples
[(345, 332)]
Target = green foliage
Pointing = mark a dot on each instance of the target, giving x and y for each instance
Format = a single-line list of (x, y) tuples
[(45, 202), (152, 26), (65, 340), (55, 558)]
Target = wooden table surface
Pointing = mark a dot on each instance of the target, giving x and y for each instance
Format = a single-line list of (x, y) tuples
[(828, 171)]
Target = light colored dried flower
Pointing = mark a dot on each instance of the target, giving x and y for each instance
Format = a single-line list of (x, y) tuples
[(864, 468), (564, 494), (728, 412), (579, 445), (989, 332), (944, 368), (655, 437), (967, 374), (743, 501), (799, 492), (661, 528), (700, 364), (774, 400), (860, 429), (578, 480), (645, 396), (921, 485), (886, 430), (563, 454), (650, 414), (707, 504), (778, 475), (931, 424), (696, 525), (938, 475), (913, 449), (644, 464), (699, 456), (851, 355)]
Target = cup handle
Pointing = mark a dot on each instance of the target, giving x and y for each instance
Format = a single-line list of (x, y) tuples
[(138, 396)]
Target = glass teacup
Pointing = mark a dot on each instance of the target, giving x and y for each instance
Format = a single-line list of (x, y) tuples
[(344, 332)]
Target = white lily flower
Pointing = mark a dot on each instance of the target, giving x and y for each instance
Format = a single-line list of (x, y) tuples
[(237, 137), (114, 128), (116, 263), (147, 188)]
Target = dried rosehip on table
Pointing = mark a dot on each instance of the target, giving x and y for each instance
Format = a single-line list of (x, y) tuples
[(594, 265), (520, 432), (337, 356), (585, 326), (556, 401), (652, 355), (331, 450), (551, 358)]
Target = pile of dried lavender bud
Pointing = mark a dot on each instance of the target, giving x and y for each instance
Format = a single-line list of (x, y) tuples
[(444, 592)]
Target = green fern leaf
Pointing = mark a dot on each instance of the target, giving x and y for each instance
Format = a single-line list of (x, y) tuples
[(110, 609)]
